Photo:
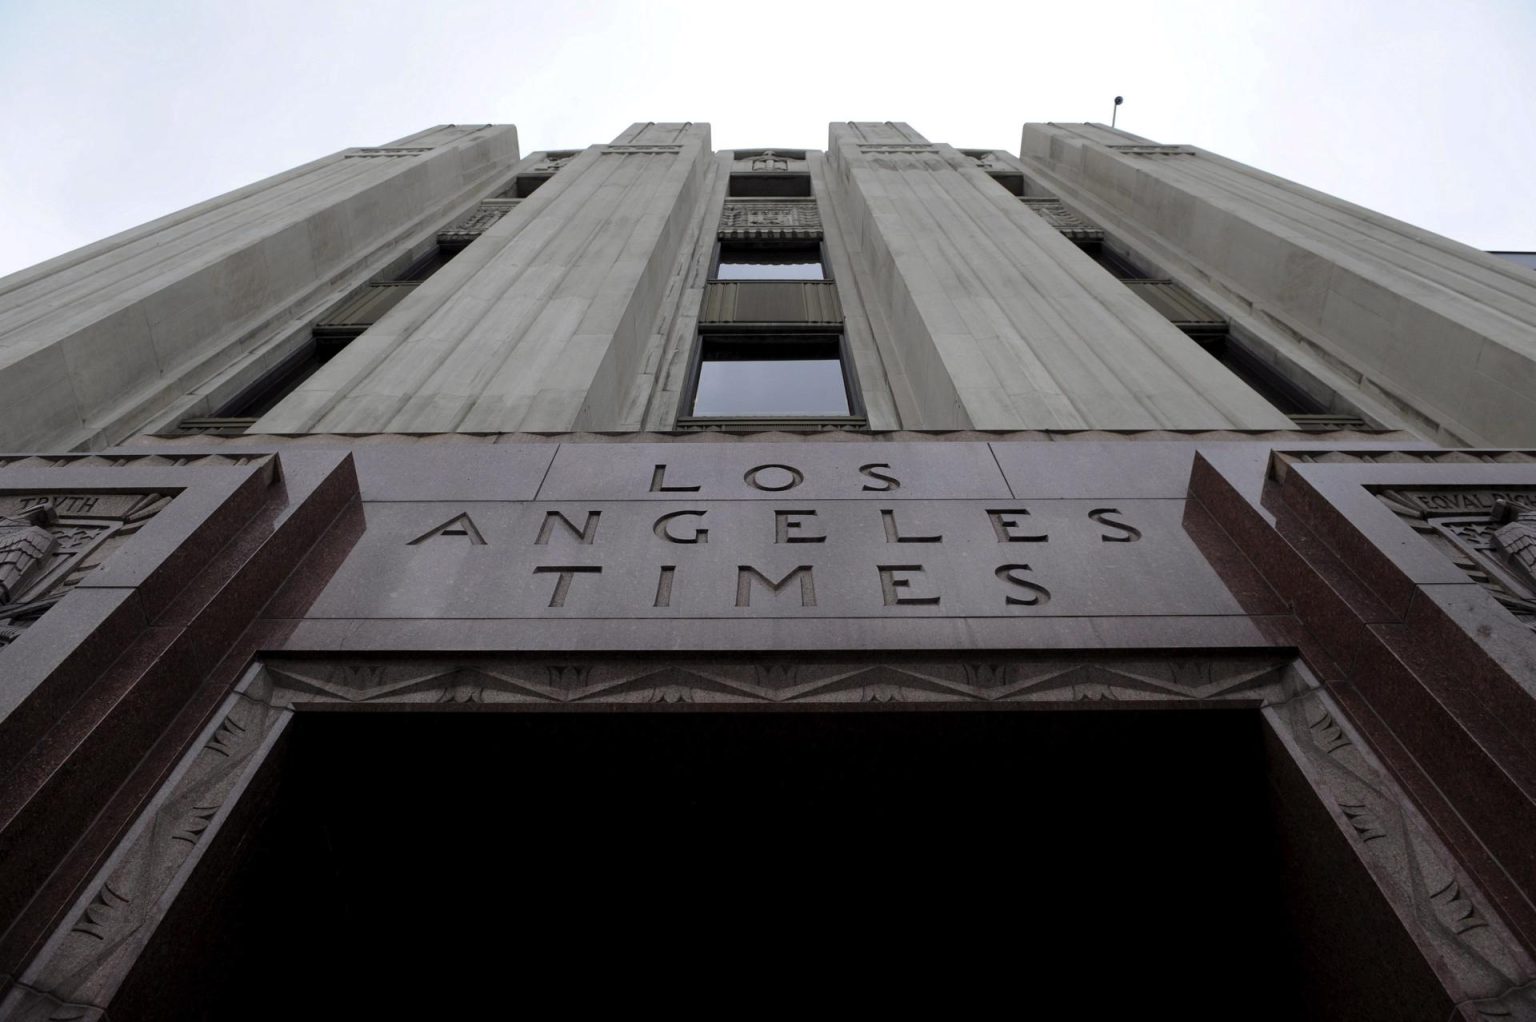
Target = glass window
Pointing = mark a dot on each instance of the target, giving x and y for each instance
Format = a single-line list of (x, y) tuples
[(770, 376), (789, 262)]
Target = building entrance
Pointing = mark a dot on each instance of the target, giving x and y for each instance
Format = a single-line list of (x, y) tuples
[(1187, 835)]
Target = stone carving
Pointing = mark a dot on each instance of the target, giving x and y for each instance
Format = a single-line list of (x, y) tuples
[(127, 460), (1478, 958), (554, 160), (1488, 534), (86, 960), (25, 543), (1515, 539), (82, 965), (770, 218), (894, 148), (641, 150), (48, 543), (386, 151), (1155, 150), (476, 222), (767, 160), (1055, 213)]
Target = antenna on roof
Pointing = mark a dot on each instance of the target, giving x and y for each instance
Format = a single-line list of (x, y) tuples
[(1115, 110)]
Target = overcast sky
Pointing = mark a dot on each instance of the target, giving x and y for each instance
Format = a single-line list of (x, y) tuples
[(118, 112)]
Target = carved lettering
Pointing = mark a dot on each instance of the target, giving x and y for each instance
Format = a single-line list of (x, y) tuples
[(662, 529), (460, 526), (891, 482), (746, 575), (1129, 533), (894, 586), (792, 477), (563, 583), (659, 483), (1003, 524), (786, 525), (893, 532), (586, 534), (1039, 595), (664, 586)]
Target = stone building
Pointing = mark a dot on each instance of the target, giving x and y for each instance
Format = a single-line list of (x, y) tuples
[(646, 560)]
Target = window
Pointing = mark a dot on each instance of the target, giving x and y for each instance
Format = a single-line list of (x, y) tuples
[(739, 261), (524, 185), (770, 375), (770, 186)]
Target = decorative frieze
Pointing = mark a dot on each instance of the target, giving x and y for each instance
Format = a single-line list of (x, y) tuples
[(640, 150), (554, 160), (383, 151), (1489, 534), (476, 222), (1055, 213), (49, 542), (1155, 150), (894, 148), (770, 218)]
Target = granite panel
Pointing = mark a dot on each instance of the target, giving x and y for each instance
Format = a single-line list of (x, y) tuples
[(749, 471), (799, 558)]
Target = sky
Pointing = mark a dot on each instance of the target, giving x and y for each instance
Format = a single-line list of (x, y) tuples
[(117, 112)]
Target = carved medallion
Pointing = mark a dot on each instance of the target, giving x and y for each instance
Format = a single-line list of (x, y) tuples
[(49, 542), (1489, 534)]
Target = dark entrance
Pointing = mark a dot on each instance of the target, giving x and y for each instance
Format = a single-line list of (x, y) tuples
[(637, 858)]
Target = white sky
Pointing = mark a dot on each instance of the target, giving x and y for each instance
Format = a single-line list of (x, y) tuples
[(119, 112)]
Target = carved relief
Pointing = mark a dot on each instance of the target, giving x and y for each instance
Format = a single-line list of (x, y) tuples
[(1480, 960), (1488, 534), (553, 161), (86, 960), (1154, 150), (770, 218), (385, 151), (1055, 213), (82, 965), (48, 543), (477, 221)]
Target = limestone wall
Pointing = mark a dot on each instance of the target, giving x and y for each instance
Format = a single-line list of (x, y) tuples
[(95, 343)]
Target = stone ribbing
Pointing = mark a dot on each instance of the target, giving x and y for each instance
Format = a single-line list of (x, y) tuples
[(540, 324), (997, 321), (1434, 327), (96, 342)]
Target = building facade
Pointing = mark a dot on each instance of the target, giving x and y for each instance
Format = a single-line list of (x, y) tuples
[(1147, 533)]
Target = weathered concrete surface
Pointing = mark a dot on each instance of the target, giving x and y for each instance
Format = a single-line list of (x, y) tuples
[(1435, 329), (96, 342), (996, 321), (542, 323)]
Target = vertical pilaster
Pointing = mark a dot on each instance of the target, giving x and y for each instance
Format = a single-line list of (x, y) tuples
[(96, 342), (542, 323), (994, 320), (1433, 328)]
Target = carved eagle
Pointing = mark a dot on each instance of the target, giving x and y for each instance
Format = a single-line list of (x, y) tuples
[(25, 543), (1516, 539)]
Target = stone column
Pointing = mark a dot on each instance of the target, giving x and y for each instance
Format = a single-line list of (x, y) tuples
[(1433, 328), (539, 325), (995, 321)]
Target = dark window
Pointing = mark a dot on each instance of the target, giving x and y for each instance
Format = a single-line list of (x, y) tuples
[(769, 262), (1286, 396), (524, 185), (770, 186), (1115, 264), (770, 376)]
